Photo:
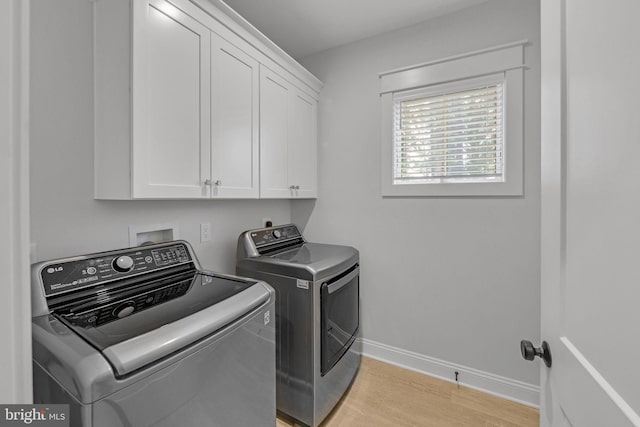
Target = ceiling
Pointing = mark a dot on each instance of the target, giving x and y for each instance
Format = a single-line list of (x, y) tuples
[(305, 27)]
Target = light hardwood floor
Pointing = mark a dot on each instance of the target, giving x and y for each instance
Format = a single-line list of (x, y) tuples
[(384, 395)]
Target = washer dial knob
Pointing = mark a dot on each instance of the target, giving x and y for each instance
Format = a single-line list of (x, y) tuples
[(276, 234), (123, 264)]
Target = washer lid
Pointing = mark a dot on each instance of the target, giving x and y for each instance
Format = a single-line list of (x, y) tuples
[(310, 261), (132, 331)]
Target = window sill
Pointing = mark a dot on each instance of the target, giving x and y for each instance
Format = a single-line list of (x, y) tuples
[(507, 188)]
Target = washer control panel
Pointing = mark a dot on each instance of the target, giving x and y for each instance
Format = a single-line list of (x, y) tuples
[(117, 310), (58, 278), (268, 236)]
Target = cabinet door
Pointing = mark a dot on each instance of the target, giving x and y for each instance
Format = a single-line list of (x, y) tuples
[(234, 121), (171, 103), (303, 144), (275, 94)]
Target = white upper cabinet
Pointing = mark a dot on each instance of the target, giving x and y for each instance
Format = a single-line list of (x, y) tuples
[(171, 102), (234, 122), (183, 108), (287, 139), (274, 135), (303, 147)]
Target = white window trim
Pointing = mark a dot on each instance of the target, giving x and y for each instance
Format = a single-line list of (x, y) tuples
[(507, 60)]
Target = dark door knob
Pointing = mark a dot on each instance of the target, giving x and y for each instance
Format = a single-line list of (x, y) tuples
[(529, 352)]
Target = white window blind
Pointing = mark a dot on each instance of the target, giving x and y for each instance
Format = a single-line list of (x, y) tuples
[(456, 136)]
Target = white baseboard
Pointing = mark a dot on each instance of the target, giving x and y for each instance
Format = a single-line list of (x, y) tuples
[(517, 391)]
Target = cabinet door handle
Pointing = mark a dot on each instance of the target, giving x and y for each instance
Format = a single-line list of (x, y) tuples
[(292, 187), (207, 182), (297, 187), (218, 183)]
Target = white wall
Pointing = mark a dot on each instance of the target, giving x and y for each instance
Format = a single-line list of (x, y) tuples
[(65, 219), (456, 279)]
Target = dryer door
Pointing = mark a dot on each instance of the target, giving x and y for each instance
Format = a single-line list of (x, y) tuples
[(340, 315)]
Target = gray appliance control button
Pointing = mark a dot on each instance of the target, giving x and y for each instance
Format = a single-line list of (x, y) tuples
[(123, 264), (124, 312)]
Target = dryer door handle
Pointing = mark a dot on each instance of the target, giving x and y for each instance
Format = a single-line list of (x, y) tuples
[(333, 287)]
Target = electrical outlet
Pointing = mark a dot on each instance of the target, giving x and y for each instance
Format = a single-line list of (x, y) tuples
[(205, 232), (264, 221)]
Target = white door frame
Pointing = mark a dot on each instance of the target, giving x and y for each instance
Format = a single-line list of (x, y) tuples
[(15, 303)]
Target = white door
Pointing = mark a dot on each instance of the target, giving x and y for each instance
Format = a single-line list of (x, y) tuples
[(591, 212), (171, 102), (274, 135), (234, 121), (303, 146)]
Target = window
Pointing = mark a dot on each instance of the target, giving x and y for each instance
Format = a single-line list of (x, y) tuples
[(450, 135), (448, 132)]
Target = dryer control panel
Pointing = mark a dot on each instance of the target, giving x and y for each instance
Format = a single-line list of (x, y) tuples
[(78, 273), (268, 236)]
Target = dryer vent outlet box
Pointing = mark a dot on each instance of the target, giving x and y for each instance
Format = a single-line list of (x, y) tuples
[(143, 235)]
